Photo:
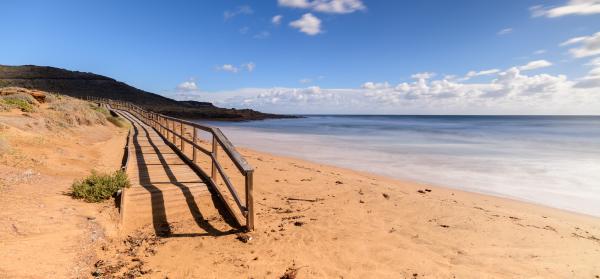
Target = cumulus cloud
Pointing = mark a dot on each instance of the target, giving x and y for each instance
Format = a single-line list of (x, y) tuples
[(472, 74), (294, 3), (308, 24), (537, 64), (326, 6), (187, 86), (510, 91), (241, 10), (228, 68), (338, 6), (276, 19), (505, 31), (572, 7), (423, 75), (586, 45), (592, 79), (249, 67), (375, 85)]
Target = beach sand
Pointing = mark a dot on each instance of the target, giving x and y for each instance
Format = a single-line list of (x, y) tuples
[(313, 220), (326, 222)]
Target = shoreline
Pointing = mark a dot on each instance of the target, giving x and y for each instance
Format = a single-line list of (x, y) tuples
[(483, 195)]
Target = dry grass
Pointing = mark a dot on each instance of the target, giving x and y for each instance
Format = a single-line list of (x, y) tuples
[(71, 112), (21, 101)]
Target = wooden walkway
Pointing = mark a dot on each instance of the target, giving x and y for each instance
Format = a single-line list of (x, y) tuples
[(164, 188)]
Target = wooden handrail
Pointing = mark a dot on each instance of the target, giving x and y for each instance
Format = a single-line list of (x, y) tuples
[(161, 123)]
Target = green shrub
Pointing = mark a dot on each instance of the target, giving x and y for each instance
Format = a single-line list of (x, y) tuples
[(99, 186)]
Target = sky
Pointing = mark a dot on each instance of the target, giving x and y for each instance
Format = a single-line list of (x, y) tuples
[(326, 56)]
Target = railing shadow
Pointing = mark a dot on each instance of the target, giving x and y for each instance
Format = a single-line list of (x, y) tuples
[(160, 222)]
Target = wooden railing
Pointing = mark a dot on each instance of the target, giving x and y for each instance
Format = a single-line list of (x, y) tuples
[(172, 129)]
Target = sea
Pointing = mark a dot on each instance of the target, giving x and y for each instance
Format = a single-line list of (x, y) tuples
[(548, 160)]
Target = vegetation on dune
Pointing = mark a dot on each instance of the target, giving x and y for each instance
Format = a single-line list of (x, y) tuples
[(23, 102), (111, 117), (99, 186), (71, 112)]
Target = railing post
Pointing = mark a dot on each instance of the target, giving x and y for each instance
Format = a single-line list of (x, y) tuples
[(213, 172), (249, 201), (173, 133), (181, 137), (194, 138)]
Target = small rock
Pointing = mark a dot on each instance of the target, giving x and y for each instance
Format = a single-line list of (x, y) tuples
[(421, 192), (338, 182), (298, 223), (386, 196)]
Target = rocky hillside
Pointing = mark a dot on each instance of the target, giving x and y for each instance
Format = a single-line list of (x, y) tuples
[(81, 84)]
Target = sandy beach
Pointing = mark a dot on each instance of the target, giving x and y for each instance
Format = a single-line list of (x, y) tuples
[(314, 220)]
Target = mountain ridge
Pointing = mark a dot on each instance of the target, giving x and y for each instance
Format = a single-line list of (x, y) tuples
[(86, 84)]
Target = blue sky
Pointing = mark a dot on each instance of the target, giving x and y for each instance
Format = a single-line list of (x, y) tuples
[(325, 56)]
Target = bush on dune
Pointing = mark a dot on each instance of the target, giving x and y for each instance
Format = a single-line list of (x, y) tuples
[(99, 186), (71, 112)]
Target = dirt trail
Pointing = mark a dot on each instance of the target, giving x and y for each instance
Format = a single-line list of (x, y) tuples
[(43, 232)]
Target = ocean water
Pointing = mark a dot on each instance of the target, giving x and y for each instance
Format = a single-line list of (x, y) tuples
[(549, 160)]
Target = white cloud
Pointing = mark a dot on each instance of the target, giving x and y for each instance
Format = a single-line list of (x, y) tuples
[(294, 3), (511, 92), (375, 85), (537, 64), (228, 68), (326, 6), (592, 79), (505, 31), (338, 6), (244, 30), (308, 24), (187, 86), (305, 80), (539, 51), (424, 75), (276, 19), (241, 10), (472, 74), (587, 45), (572, 7), (249, 66)]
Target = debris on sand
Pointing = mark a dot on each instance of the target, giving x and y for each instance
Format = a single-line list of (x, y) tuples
[(338, 182), (306, 200), (299, 223), (291, 272), (244, 237), (421, 192)]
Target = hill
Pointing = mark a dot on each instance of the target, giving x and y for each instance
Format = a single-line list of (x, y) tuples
[(83, 84)]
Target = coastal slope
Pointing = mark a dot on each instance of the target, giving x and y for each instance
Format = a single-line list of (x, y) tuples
[(82, 84)]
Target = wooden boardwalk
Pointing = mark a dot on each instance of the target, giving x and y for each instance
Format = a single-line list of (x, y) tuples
[(164, 188)]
